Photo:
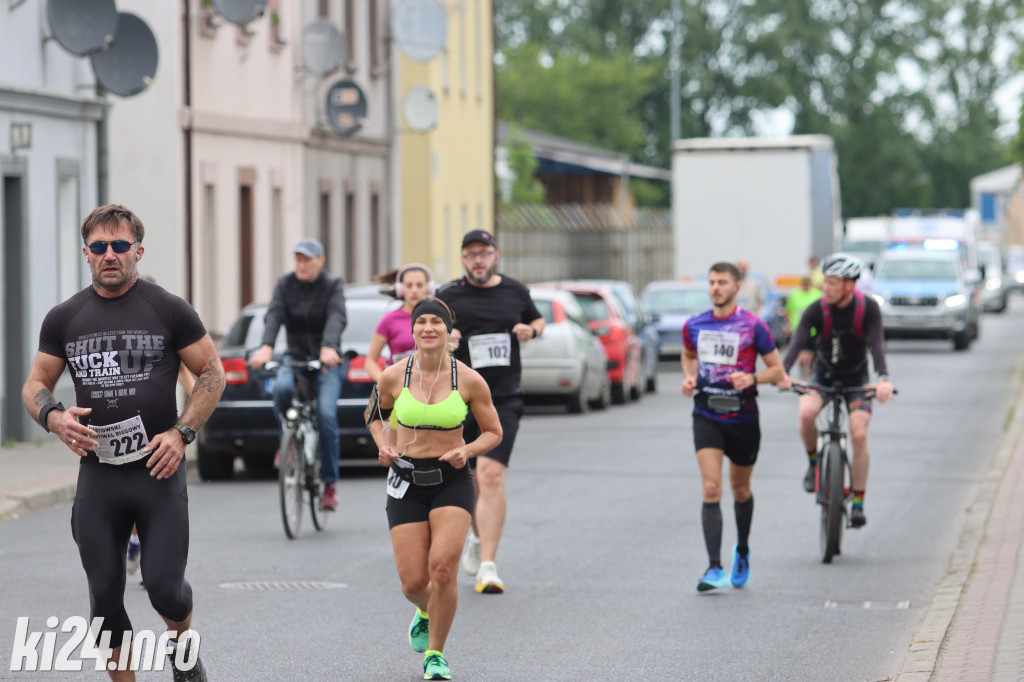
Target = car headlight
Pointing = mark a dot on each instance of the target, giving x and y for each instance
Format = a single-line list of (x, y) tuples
[(993, 284), (1019, 277), (878, 299), (955, 301)]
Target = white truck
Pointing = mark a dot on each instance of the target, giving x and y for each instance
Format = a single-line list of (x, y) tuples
[(772, 201)]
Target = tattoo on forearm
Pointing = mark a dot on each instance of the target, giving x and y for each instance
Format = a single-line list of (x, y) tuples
[(210, 380), (44, 397)]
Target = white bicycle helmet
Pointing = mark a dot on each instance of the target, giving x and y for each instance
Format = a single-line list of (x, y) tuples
[(843, 266)]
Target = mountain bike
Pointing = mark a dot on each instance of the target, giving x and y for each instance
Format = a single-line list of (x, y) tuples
[(833, 490), (299, 472)]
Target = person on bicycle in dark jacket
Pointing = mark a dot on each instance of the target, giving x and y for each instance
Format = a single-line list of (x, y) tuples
[(311, 305), (847, 325)]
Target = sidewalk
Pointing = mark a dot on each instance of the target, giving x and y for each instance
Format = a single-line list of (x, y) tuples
[(41, 474)]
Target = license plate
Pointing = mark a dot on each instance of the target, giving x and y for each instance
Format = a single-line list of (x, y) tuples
[(268, 385)]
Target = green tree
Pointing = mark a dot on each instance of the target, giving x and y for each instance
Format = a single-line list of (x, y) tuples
[(526, 188)]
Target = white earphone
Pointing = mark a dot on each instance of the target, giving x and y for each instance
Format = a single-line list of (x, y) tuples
[(400, 290)]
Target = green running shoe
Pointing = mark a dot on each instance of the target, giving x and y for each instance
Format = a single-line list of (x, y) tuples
[(419, 632), (435, 667)]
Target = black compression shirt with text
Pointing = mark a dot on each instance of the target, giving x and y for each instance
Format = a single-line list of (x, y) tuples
[(481, 311), (123, 352), (844, 353)]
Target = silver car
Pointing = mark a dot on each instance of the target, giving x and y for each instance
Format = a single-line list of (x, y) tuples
[(995, 291), (567, 363)]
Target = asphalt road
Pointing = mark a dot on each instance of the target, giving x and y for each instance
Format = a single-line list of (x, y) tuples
[(601, 554)]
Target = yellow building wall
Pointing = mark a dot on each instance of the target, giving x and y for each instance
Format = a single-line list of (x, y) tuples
[(446, 176)]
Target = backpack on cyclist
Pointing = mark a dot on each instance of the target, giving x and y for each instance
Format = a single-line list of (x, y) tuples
[(858, 316)]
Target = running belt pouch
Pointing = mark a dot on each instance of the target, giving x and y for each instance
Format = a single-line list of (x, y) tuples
[(370, 413), (724, 404)]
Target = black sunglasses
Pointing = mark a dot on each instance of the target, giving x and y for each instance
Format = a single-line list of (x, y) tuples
[(119, 246)]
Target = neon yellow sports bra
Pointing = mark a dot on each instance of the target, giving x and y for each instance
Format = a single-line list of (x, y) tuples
[(447, 415)]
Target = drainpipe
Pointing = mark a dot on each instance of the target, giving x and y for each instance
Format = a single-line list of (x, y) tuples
[(187, 144)]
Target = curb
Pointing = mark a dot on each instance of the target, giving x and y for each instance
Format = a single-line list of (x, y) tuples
[(923, 654)]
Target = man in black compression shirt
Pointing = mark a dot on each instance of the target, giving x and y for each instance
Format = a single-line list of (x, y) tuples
[(847, 325), (123, 341)]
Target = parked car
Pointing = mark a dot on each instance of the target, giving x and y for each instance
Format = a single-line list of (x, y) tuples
[(638, 317), (608, 320), (995, 289), (567, 363), (243, 423), (1015, 266), (926, 294), (670, 304)]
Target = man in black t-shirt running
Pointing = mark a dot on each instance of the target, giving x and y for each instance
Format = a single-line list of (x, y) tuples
[(123, 341), (494, 314)]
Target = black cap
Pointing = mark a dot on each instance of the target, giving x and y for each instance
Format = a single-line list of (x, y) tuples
[(479, 236)]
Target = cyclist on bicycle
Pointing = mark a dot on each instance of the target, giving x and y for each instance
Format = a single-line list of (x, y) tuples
[(311, 305), (847, 324)]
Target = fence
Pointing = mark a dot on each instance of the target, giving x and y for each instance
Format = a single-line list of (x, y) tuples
[(584, 242)]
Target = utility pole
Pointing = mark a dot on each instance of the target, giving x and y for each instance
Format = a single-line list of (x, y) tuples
[(675, 69)]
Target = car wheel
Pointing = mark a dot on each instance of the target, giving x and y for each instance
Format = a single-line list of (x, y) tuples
[(577, 403), (605, 399), (961, 341), (213, 465), (258, 464), (652, 383), (618, 394)]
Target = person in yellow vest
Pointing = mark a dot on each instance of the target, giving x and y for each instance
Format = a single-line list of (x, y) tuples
[(796, 303)]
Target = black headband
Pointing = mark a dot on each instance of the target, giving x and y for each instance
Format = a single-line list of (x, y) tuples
[(432, 308)]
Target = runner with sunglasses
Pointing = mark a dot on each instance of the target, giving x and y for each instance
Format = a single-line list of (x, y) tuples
[(123, 341)]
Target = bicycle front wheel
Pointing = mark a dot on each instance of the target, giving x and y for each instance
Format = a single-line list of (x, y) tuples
[(831, 501), (290, 484), (316, 492)]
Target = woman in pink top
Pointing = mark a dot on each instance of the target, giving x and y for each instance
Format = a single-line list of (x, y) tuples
[(410, 284)]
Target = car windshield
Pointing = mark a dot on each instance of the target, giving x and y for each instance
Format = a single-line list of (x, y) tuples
[(594, 307), (676, 300), (544, 307), (916, 269)]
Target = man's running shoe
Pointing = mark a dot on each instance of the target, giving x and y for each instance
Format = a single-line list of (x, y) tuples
[(713, 578), (739, 576), (471, 557), (196, 674), (811, 477), (419, 632), (487, 580), (435, 667), (329, 501), (857, 518), (132, 562)]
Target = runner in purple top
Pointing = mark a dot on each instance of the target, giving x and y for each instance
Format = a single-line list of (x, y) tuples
[(720, 349), (410, 284)]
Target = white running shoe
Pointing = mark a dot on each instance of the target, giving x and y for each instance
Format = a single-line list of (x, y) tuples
[(487, 580), (471, 557)]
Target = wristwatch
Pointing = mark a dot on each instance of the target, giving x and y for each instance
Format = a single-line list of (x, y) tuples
[(187, 434)]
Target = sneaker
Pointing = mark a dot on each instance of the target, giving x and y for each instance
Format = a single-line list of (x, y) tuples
[(132, 562), (857, 518), (435, 667), (739, 576), (487, 580), (811, 478), (196, 674), (471, 557), (329, 501), (419, 632), (713, 578)]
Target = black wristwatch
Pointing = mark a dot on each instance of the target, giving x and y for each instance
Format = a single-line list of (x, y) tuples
[(187, 434), (45, 412)]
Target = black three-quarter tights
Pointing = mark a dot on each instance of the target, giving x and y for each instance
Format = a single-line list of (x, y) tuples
[(108, 501)]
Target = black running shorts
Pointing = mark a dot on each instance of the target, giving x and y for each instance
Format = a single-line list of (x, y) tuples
[(456, 490), (740, 442), (510, 411)]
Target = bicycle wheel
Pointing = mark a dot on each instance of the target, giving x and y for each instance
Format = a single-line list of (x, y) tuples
[(290, 484), (316, 491), (832, 501)]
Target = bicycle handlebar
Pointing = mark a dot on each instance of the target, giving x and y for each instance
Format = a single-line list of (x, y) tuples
[(829, 391), (311, 365)]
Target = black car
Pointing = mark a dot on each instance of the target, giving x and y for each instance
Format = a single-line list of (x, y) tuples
[(243, 423)]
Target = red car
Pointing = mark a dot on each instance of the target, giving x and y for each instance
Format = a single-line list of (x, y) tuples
[(621, 344)]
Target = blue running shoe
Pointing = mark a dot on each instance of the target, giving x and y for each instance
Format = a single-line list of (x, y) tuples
[(435, 667), (419, 632), (740, 574), (713, 578)]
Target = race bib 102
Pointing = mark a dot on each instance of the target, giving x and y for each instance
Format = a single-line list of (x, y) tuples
[(490, 350)]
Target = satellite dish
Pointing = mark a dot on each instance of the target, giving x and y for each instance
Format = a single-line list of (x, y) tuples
[(420, 108), (346, 107), (240, 12), (82, 26), (420, 28), (323, 47), (128, 67)]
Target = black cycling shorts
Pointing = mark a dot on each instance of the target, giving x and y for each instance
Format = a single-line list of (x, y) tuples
[(109, 499), (510, 411), (853, 402), (455, 490), (740, 442)]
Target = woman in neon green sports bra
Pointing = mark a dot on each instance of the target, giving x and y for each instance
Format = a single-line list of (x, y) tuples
[(416, 417)]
